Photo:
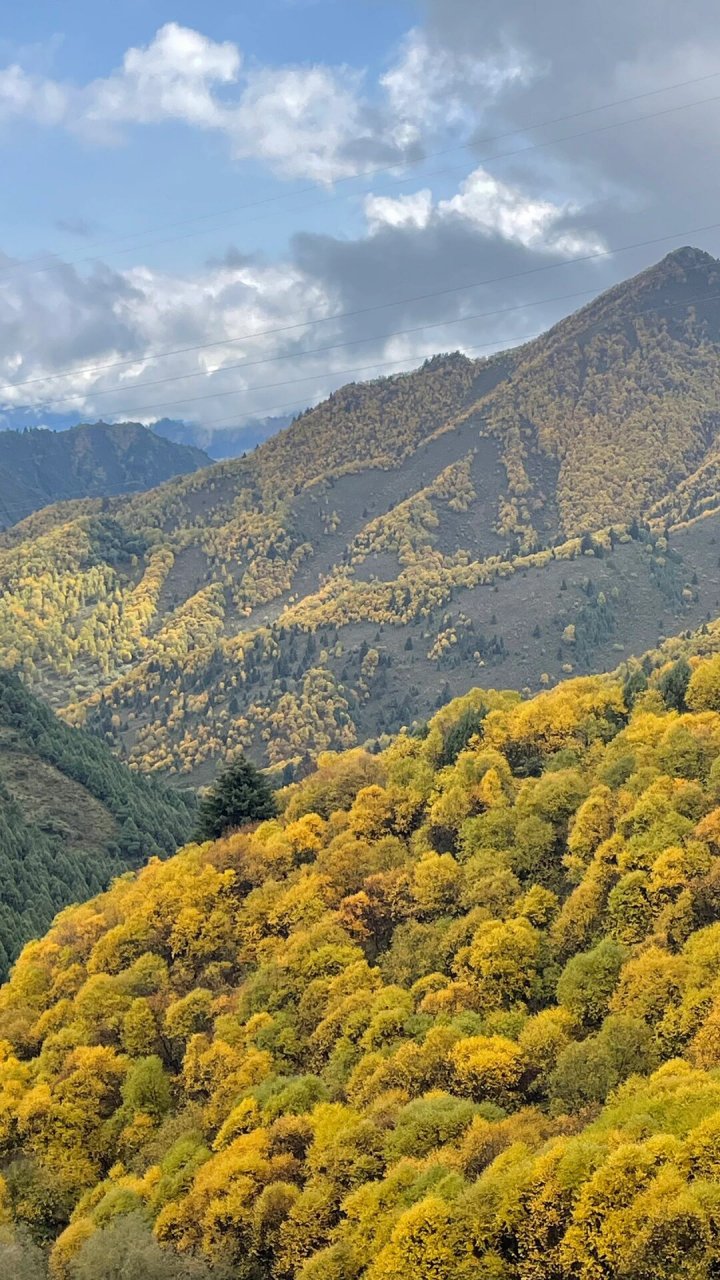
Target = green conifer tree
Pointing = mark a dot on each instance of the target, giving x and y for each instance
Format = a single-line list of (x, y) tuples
[(240, 794)]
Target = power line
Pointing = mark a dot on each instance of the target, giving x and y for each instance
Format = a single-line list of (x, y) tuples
[(392, 168), (382, 364), (68, 373), (431, 155), (297, 355), (478, 160), (528, 271), (499, 342)]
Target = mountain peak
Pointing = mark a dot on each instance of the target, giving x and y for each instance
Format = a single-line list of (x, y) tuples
[(690, 257)]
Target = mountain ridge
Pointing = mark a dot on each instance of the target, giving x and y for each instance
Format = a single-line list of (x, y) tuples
[(511, 520), (39, 466)]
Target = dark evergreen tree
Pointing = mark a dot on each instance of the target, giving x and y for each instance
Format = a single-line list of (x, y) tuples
[(634, 684), (460, 734), (673, 685), (240, 794)]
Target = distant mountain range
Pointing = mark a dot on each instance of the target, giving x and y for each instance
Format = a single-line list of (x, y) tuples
[(503, 522), (38, 466), (217, 442), (221, 442)]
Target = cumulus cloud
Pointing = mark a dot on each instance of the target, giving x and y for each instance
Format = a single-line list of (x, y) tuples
[(172, 78), (33, 97), (431, 84), (647, 175), (484, 262), (399, 211), (493, 208), (262, 317), (314, 121), (118, 318), (301, 120), (496, 207)]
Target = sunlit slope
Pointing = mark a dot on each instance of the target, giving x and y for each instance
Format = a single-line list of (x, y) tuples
[(454, 1013)]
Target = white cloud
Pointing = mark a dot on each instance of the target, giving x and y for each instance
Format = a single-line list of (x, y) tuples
[(299, 119), (399, 211), (314, 121), (111, 316), (431, 85), (304, 121), (206, 317), (497, 208), (491, 207), (32, 97), (173, 78)]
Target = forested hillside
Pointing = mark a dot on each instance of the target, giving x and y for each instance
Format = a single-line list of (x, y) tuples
[(72, 817), (513, 521), (38, 467), (454, 1015)]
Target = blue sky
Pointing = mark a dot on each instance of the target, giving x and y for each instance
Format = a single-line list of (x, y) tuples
[(191, 188), (168, 173)]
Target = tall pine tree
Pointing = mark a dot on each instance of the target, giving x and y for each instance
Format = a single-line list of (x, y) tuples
[(240, 794)]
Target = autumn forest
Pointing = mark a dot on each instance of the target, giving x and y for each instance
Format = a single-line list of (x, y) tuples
[(360, 829)]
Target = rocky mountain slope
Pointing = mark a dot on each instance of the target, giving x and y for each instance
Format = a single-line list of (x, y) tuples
[(38, 467), (508, 522)]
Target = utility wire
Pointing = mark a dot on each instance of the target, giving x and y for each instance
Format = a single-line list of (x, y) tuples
[(478, 160), (401, 164), (498, 342), (311, 351), (158, 355), (528, 271), (381, 364)]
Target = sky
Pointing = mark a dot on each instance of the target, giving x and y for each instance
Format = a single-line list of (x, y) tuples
[(222, 211)]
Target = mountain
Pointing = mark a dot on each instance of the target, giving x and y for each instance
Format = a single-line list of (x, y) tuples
[(221, 442), (453, 1015), (72, 817), (38, 467), (514, 521)]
